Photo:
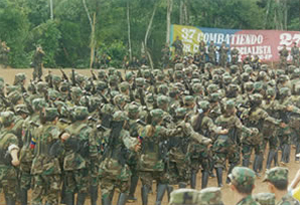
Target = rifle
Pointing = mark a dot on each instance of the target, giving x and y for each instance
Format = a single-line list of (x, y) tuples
[(188, 87), (29, 107), (65, 77), (33, 87), (132, 99), (93, 75), (6, 103), (171, 77), (73, 78), (50, 79)]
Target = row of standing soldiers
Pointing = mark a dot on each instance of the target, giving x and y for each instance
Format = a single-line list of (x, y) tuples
[(72, 134)]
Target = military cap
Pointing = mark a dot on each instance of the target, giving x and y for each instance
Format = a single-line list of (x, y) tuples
[(276, 174), (280, 72), (195, 75), (285, 91), (41, 87), (210, 196), (157, 114), (291, 68), (133, 108), (160, 76), (197, 87), (111, 71), (7, 118), (233, 68), (113, 79), (249, 86), (101, 74), (217, 71), (140, 82), (124, 86), (184, 197), (212, 88), (181, 112), (84, 101), (128, 76), (180, 86), (56, 79), (242, 176), (245, 77), (248, 70), (204, 105), (14, 97), (230, 104), (95, 102), (283, 78), (19, 78), (214, 97), (38, 104), (51, 114), (264, 67), (156, 71), (272, 83), (162, 100), (188, 71), (107, 109), (195, 81), (80, 78), (178, 74), (80, 113), (227, 79), (75, 91), (216, 79), (147, 74), (179, 66), (114, 93), (257, 97), (208, 66), (163, 89), (233, 87), (64, 86), (188, 100), (119, 99), (21, 108), (120, 116), (100, 86), (296, 73), (150, 98), (265, 198), (270, 92), (258, 86), (53, 94)]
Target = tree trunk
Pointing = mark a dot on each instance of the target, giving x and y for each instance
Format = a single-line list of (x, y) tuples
[(87, 13), (181, 12), (169, 12), (128, 28), (93, 41), (51, 9)]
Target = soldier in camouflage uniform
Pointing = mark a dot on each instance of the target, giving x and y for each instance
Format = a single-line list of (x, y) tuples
[(80, 151), (234, 56), (223, 55), (284, 53), (227, 146), (265, 198), (45, 165), (212, 53), (113, 170), (204, 125), (151, 162), (8, 158), (37, 63), (277, 179), (295, 54), (242, 183)]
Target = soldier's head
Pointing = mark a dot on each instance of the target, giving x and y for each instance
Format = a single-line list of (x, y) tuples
[(7, 119), (265, 198), (120, 116), (230, 108), (184, 197), (124, 87), (181, 113), (120, 100), (256, 100), (15, 97), (22, 110), (284, 92), (163, 89), (41, 87), (20, 79), (163, 102), (80, 113), (133, 111), (51, 115), (76, 94), (39, 104), (210, 196), (204, 106), (277, 179), (242, 180), (189, 101)]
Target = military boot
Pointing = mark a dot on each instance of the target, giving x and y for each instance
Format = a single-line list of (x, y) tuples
[(94, 194), (204, 182), (182, 185), (69, 198), (133, 185), (161, 188), (144, 192), (122, 199), (219, 172), (193, 179), (81, 198), (23, 197), (232, 165), (169, 191), (256, 164), (246, 162)]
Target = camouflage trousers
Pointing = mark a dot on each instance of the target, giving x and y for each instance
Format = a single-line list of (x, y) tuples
[(25, 176), (77, 181), (179, 171), (247, 150), (8, 181), (94, 177), (46, 186), (109, 185), (37, 72), (147, 178), (283, 63)]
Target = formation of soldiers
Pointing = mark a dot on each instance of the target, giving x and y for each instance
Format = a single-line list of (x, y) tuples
[(69, 135)]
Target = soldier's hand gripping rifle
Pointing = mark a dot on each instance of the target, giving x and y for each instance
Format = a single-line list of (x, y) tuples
[(93, 75), (73, 78)]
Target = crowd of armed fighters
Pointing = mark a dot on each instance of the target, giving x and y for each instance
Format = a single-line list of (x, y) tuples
[(73, 135)]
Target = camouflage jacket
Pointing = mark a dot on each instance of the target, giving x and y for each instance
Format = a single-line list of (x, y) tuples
[(288, 200), (247, 201), (8, 142)]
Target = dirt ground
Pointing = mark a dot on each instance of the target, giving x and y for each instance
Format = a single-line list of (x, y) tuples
[(228, 196)]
